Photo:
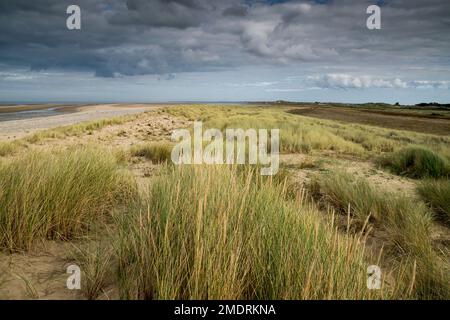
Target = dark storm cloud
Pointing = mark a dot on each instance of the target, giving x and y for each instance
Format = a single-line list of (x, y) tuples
[(113, 39), (179, 14), (138, 37), (236, 11), (11, 6)]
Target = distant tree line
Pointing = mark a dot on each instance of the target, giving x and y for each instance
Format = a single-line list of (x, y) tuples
[(433, 104)]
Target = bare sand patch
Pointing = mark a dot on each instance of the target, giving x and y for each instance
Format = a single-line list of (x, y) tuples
[(40, 274)]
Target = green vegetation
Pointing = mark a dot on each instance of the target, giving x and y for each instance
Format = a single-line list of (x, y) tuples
[(8, 148), (417, 162), (407, 223), (226, 232), (341, 190), (57, 194), (305, 134), (437, 194), (157, 152), (219, 233), (95, 261)]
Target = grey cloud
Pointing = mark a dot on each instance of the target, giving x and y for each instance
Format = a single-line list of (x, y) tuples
[(427, 84), (178, 14), (236, 11), (295, 12), (138, 37)]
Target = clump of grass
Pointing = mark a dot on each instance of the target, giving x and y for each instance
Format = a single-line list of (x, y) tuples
[(95, 261), (6, 148), (58, 194), (417, 162), (311, 164), (157, 152), (341, 190), (407, 223), (9, 147), (219, 233), (437, 194)]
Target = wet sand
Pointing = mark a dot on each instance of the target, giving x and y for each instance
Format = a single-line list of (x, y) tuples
[(5, 109), (16, 128)]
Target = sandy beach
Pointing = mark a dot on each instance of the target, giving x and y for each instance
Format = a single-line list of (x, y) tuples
[(14, 129)]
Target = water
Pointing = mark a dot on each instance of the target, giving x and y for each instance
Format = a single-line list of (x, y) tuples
[(53, 111), (28, 114)]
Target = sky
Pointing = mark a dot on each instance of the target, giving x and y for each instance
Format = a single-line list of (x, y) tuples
[(224, 50)]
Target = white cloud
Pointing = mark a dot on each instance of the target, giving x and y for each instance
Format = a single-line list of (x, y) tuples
[(347, 81), (427, 84), (255, 84), (285, 90), (9, 76)]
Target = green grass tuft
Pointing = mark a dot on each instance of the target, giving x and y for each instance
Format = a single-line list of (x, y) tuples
[(157, 152), (8, 148), (417, 162)]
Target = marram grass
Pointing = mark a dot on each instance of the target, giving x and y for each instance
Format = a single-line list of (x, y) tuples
[(437, 194), (221, 233), (417, 162), (157, 152), (58, 194), (305, 134), (406, 221)]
